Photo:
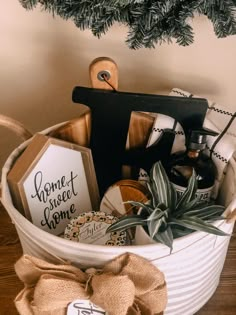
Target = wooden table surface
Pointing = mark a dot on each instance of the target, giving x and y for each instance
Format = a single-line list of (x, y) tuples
[(223, 301)]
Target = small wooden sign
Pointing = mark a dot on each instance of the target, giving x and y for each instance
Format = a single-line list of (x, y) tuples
[(52, 182)]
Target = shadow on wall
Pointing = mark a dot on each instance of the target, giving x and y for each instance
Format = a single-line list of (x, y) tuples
[(42, 58), (52, 56)]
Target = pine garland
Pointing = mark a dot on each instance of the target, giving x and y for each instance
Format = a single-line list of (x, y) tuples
[(149, 22)]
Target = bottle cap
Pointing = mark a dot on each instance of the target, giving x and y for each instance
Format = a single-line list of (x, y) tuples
[(198, 137)]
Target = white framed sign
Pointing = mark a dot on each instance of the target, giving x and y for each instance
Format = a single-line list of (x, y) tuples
[(52, 182)]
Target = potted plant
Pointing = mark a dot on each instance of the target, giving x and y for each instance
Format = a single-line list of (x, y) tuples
[(164, 218)]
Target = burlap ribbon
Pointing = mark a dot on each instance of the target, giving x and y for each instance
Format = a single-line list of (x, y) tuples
[(127, 285)]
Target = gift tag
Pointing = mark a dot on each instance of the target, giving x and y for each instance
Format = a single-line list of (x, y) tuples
[(84, 307)]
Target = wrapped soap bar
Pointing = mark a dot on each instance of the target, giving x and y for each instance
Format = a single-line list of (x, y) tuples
[(90, 228)]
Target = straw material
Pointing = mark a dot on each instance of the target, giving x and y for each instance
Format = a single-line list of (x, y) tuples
[(127, 285)]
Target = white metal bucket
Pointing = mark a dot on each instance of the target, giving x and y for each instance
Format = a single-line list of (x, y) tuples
[(192, 271)]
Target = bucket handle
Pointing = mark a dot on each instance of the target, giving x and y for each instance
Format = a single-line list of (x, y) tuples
[(17, 127)]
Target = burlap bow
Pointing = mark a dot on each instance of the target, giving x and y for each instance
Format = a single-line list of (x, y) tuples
[(127, 285)]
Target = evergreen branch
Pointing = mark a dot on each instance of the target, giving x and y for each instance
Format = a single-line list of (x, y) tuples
[(149, 22)]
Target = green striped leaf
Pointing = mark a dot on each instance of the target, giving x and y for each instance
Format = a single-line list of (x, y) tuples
[(207, 212), (197, 224), (165, 237), (126, 222), (137, 204), (189, 193), (214, 219), (154, 197), (186, 208), (156, 215), (173, 201), (161, 183), (156, 221), (154, 226), (179, 231)]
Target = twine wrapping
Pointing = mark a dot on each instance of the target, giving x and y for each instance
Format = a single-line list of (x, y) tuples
[(127, 285)]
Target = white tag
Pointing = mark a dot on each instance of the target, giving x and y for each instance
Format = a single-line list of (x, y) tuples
[(84, 307)]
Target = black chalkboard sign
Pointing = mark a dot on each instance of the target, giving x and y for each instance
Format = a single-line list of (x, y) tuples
[(111, 112)]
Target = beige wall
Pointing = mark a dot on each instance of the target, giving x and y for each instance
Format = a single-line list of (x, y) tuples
[(42, 58)]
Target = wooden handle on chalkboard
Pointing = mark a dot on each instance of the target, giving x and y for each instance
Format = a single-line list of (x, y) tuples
[(100, 67)]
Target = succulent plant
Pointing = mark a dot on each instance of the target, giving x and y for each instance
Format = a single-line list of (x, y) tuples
[(164, 217)]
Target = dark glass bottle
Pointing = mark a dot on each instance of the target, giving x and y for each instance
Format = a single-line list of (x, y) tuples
[(180, 166)]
